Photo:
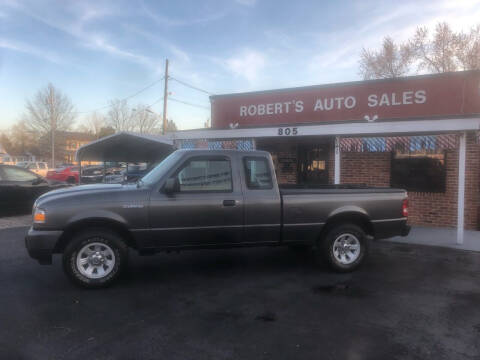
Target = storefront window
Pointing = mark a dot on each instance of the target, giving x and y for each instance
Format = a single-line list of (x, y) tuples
[(419, 170), (312, 164)]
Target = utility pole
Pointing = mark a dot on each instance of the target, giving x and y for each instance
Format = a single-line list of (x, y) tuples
[(53, 124), (165, 96), (53, 147)]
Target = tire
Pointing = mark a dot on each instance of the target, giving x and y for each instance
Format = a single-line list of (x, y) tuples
[(95, 258), (338, 247), (71, 180)]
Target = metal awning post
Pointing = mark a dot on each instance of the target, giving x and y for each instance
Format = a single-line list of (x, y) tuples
[(461, 187), (79, 172), (104, 171), (337, 161)]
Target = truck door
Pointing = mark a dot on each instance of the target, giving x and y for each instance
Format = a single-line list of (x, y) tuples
[(206, 209), (262, 201)]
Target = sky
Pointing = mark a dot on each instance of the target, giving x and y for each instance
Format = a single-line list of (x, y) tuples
[(96, 51)]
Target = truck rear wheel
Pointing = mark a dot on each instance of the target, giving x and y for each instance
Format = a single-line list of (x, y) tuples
[(344, 247), (95, 258)]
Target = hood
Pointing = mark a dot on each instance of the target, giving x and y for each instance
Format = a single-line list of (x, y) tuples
[(93, 191)]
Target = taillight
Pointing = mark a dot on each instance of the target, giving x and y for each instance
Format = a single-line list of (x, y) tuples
[(405, 207)]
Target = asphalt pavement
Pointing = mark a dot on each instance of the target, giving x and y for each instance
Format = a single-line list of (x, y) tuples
[(406, 302)]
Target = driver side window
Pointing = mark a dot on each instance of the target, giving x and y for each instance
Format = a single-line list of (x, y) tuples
[(206, 175)]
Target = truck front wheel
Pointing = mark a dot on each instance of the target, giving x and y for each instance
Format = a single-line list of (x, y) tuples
[(344, 247), (95, 258)]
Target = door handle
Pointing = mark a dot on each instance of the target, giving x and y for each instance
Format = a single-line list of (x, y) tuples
[(229, 202)]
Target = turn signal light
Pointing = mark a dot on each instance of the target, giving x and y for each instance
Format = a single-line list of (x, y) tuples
[(405, 207), (39, 216)]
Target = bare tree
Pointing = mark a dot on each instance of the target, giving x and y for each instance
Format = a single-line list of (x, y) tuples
[(468, 51), (145, 120), (390, 62), (49, 109), (437, 55), (48, 112), (96, 122), (120, 116), (23, 139), (171, 126), (106, 131), (93, 124)]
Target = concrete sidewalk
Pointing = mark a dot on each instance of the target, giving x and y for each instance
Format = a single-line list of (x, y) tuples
[(443, 237)]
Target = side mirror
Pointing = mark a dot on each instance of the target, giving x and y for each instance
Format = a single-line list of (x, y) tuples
[(171, 186)]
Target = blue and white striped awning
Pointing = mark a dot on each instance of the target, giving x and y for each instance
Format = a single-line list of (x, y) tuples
[(429, 143), (212, 144)]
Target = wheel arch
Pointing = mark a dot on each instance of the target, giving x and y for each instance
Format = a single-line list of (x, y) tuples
[(358, 218), (95, 222)]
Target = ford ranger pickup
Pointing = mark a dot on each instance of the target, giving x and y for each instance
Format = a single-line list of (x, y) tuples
[(197, 199)]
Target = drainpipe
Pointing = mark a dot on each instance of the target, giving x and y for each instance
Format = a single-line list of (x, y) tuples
[(461, 188), (337, 161)]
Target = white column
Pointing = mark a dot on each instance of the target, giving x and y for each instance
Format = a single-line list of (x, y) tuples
[(337, 161), (461, 188)]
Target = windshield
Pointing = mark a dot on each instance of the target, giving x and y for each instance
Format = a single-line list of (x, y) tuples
[(161, 169)]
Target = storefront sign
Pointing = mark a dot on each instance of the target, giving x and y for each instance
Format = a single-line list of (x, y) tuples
[(442, 95)]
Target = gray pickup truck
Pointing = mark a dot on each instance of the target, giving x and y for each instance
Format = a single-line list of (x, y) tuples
[(207, 198)]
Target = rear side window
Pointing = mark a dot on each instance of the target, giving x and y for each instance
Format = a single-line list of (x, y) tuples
[(257, 173), (16, 174), (206, 175)]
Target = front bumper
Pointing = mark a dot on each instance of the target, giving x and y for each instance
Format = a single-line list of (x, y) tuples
[(40, 244)]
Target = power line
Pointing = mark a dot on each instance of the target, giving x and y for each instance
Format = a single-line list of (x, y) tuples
[(125, 98), (156, 102), (188, 103), (190, 86)]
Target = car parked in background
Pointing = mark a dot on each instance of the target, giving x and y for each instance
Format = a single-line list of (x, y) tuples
[(68, 174), (132, 173), (135, 172), (38, 167), (94, 174), (19, 188)]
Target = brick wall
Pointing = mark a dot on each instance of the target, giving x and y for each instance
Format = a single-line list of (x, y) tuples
[(285, 159), (441, 209), (372, 169)]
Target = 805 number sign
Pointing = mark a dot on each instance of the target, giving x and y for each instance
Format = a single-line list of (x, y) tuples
[(287, 131)]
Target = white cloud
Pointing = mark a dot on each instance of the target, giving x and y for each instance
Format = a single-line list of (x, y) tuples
[(179, 54), (99, 43), (83, 13), (248, 64), (31, 50), (169, 21)]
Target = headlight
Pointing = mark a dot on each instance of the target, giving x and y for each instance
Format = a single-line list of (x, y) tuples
[(39, 216)]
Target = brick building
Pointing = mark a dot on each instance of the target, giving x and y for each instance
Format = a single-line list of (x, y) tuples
[(419, 133)]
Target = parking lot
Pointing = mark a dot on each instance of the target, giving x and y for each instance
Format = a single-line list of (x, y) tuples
[(406, 302)]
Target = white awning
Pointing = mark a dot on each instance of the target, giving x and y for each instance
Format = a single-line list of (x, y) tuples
[(410, 127)]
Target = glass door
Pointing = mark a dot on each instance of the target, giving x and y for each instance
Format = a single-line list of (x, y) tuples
[(313, 164)]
